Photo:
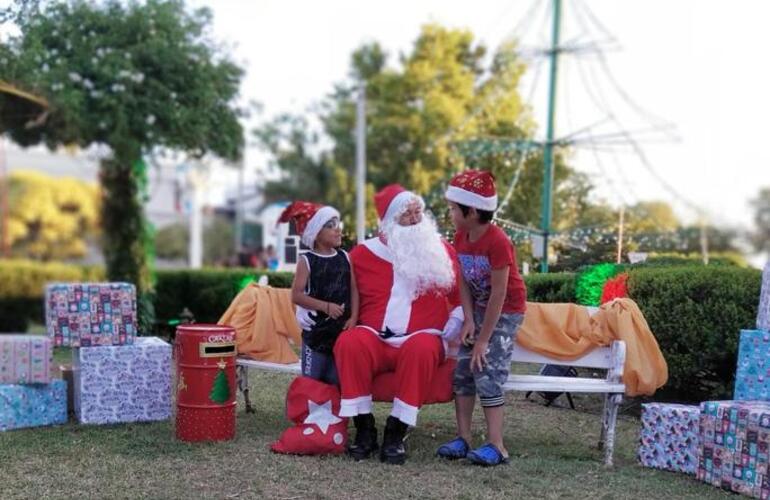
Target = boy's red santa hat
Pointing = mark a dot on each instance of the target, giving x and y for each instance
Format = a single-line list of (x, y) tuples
[(473, 188), (309, 219), (391, 201)]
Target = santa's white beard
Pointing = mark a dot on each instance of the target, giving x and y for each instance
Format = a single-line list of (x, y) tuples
[(420, 257)]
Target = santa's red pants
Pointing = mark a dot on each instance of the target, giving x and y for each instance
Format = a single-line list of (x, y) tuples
[(361, 355)]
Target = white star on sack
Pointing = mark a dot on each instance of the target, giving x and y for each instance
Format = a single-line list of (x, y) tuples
[(321, 415)]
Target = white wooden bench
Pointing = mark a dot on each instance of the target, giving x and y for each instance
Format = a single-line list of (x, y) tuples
[(611, 358)]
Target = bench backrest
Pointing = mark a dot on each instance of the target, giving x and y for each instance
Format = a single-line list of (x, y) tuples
[(611, 357)]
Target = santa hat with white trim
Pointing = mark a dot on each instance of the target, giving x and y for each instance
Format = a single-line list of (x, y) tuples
[(473, 188), (309, 219), (391, 201)]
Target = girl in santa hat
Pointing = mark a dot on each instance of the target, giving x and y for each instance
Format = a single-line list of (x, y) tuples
[(494, 300), (323, 283)]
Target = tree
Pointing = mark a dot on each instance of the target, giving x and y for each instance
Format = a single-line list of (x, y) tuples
[(134, 77), (51, 218), (420, 117), (761, 205)]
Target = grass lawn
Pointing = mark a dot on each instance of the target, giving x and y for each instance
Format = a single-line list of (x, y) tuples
[(553, 455)]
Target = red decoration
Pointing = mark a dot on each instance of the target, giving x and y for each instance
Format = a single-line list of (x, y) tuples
[(301, 212), (314, 408), (615, 288)]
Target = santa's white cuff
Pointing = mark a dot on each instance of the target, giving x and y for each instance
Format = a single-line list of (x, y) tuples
[(356, 406), (404, 412)]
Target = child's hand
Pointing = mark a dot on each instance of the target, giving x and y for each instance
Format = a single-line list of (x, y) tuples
[(479, 355), (350, 323), (335, 310), (466, 333)]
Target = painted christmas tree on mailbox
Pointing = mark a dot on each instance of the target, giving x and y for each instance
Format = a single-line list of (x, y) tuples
[(220, 392)]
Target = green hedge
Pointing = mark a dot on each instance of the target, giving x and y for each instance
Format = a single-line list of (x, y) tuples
[(206, 293), (696, 313)]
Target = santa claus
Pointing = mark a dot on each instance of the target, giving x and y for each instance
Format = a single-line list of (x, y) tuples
[(409, 303)]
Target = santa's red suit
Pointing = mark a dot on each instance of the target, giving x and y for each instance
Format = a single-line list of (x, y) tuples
[(395, 333)]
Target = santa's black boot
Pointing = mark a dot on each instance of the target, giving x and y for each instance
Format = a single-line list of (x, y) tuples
[(366, 437), (393, 450)]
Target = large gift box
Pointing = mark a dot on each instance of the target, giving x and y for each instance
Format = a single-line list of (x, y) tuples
[(669, 437), (733, 453), (127, 383), (33, 405), (25, 359), (90, 314), (752, 375)]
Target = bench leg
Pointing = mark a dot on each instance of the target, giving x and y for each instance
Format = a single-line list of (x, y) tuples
[(242, 376), (603, 434), (613, 402)]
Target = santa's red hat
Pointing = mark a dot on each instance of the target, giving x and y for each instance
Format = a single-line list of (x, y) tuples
[(473, 188), (392, 200), (309, 219)]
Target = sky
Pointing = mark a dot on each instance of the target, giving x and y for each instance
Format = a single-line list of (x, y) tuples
[(698, 65)]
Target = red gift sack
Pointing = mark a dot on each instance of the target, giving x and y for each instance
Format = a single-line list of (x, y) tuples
[(314, 408)]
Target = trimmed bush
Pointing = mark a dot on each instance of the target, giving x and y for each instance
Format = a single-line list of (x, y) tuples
[(696, 315), (206, 293), (555, 287)]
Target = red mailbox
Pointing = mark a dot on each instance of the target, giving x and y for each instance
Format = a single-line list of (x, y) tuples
[(205, 387)]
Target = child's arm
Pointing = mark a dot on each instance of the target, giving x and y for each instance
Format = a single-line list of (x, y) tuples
[(466, 299), (354, 302), (299, 297), (499, 279)]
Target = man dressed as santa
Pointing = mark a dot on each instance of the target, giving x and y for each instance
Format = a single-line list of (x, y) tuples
[(409, 299)]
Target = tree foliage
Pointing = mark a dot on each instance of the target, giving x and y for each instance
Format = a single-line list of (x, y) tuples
[(51, 218), (133, 76), (420, 114)]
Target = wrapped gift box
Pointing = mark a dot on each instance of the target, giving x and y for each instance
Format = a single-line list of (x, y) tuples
[(33, 405), (752, 375), (734, 443), (669, 437), (763, 313), (25, 359), (90, 314), (128, 383)]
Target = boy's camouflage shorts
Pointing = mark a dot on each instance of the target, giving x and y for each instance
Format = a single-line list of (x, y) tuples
[(488, 383)]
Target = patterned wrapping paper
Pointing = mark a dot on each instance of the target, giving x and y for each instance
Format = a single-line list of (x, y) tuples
[(752, 375), (33, 405), (90, 314), (735, 439), (25, 359), (669, 437), (763, 313), (129, 383)]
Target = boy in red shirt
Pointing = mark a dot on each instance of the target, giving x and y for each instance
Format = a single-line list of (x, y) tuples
[(494, 300)]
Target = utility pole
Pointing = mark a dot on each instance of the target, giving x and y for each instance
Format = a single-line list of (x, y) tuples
[(704, 241), (620, 234), (548, 166), (239, 208), (361, 163)]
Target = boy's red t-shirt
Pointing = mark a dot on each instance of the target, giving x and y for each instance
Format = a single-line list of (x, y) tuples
[(494, 250)]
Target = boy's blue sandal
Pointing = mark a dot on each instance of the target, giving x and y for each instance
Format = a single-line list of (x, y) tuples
[(487, 455), (454, 449)]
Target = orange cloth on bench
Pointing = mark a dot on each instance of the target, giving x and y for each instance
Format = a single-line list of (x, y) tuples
[(567, 331), (265, 327)]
